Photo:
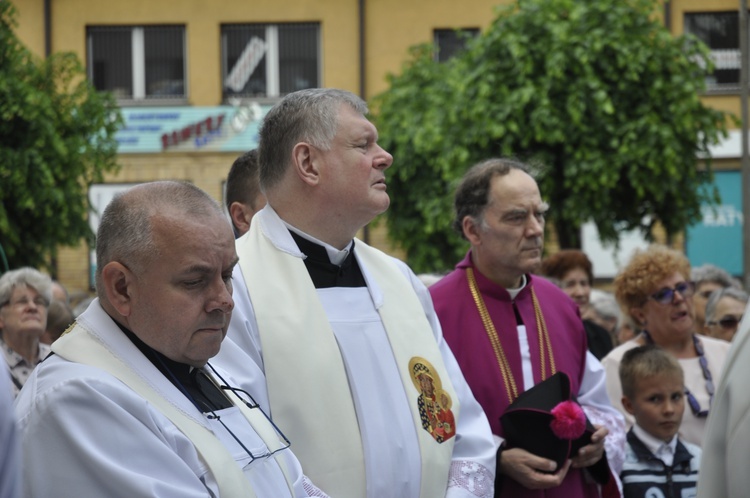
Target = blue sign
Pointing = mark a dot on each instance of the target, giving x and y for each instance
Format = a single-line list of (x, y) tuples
[(717, 239), (227, 128)]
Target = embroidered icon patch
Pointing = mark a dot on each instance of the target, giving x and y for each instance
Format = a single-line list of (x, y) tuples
[(434, 403)]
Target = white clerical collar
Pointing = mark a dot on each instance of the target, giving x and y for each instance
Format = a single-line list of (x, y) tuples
[(336, 256), (660, 449), (514, 292)]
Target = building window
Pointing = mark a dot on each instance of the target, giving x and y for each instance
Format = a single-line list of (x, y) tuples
[(720, 31), (137, 63), (269, 60), (449, 42)]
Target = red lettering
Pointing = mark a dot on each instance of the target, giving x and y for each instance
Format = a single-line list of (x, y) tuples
[(198, 129), (186, 133)]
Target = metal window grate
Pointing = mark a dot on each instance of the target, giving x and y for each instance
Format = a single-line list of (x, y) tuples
[(109, 60), (269, 60), (298, 57), (164, 61), (137, 62), (450, 42), (720, 31)]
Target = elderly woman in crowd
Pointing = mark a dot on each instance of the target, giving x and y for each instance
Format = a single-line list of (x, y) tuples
[(25, 296), (572, 270), (654, 288), (626, 329), (708, 278), (724, 311), (605, 312)]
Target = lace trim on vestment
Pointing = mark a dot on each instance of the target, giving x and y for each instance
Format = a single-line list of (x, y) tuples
[(471, 477)]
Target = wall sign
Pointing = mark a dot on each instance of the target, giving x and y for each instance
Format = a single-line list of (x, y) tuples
[(230, 128)]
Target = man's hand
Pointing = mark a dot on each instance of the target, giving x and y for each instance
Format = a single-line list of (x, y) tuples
[(591, 453), (531, 471)]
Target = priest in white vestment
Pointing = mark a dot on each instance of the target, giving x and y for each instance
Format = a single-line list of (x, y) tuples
[(128, 405), (356, 368), (726, 444)]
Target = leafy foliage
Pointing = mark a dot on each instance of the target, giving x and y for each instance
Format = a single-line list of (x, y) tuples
[(598, 94), (56, 137)]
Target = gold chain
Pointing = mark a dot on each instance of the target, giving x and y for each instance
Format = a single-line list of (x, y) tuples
[(544, 342), (489, 327)]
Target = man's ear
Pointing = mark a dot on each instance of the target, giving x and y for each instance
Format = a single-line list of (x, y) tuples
[(472, 230), (305, 159), (627, 405), (240, 218), (119, 285)]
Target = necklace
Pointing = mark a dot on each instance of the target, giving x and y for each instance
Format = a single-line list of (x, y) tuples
[(695, 407), (545, 344)]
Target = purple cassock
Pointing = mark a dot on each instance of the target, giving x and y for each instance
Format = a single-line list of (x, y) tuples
[(467, 336)]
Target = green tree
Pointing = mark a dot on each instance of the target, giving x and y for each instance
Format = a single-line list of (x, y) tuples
[(597, 93), (56, 138)]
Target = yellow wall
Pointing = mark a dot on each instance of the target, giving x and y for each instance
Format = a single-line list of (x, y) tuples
[(30, 28), (392, 26), (207, 171), (202, 22), (395, 25)]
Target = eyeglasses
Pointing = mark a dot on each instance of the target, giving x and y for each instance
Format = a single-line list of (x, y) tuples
[(706, 293), (666, 295), (203, 381), (282, 442), (728, 322), (23, 302)]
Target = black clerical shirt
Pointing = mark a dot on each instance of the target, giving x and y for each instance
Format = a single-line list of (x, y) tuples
[(325, 274), (192, 382)]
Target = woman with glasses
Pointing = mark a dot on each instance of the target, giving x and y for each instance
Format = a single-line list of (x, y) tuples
[(655, 290), (724, 311), (708, 278), (25, 296)]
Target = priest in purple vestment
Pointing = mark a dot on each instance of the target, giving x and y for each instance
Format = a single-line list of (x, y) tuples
[(510, 330)]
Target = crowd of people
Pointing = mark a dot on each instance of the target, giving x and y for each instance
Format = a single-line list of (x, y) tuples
[(279, 355)]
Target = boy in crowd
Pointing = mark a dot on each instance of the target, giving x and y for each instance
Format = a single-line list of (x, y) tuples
[(657, 462)]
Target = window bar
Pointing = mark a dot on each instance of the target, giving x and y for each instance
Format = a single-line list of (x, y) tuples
[(139, 64), (272, 61)]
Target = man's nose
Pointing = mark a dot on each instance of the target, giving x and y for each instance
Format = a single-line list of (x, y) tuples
[(221, 298), (383, 159)]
